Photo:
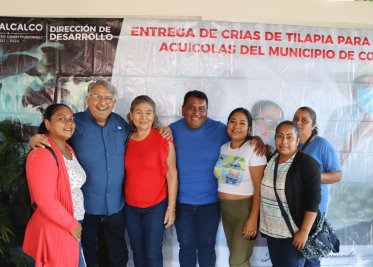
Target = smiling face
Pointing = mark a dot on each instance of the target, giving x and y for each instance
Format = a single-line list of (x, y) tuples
[(195, 112), (143, 116), (286, 140), (100, 103), (61, 125), (238, 127)]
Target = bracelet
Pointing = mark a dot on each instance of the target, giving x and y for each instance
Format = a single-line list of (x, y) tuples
[(172, 209)]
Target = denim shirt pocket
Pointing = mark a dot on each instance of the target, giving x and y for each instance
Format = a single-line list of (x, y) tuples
[(118, 137)]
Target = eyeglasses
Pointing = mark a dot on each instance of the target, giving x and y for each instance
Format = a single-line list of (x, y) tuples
[(98, 98), (268, 121), (201, 109)]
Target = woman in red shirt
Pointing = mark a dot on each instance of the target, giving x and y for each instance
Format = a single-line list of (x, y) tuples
[(150, 186)]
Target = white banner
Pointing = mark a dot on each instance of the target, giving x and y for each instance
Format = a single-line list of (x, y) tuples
[(239, 64)]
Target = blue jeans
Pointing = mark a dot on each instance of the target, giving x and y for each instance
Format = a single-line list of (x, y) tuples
[(114, 230), (81, 255), (196, 228), (314, 262), (145, 229), (283, 254)]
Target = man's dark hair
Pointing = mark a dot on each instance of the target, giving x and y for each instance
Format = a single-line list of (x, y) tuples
[(198, 94)]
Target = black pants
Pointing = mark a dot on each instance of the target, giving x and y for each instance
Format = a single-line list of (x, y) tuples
[(114, 230)]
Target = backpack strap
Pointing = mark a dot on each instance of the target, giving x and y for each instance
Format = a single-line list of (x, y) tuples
[(53, 153), (34, 204)]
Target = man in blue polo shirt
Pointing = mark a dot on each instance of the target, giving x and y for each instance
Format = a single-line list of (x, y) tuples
[(197, 141)]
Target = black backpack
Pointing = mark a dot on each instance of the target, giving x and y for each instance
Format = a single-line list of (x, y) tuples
[(20, 204)]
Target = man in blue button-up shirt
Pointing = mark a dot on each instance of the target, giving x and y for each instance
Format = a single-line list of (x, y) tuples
[(98, 142)]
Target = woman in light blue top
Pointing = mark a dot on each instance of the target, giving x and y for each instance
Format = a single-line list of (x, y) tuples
[(323, 152)]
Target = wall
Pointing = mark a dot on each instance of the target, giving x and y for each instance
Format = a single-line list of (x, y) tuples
[(295, 12)]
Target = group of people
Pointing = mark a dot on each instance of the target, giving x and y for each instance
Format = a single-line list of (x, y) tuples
[(136, 176)]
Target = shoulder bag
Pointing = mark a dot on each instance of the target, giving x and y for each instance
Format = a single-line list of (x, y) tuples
[(321, 239)]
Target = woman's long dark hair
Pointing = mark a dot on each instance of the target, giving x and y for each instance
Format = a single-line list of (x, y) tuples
[(313, 116), (48, 113), (249, 121)]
